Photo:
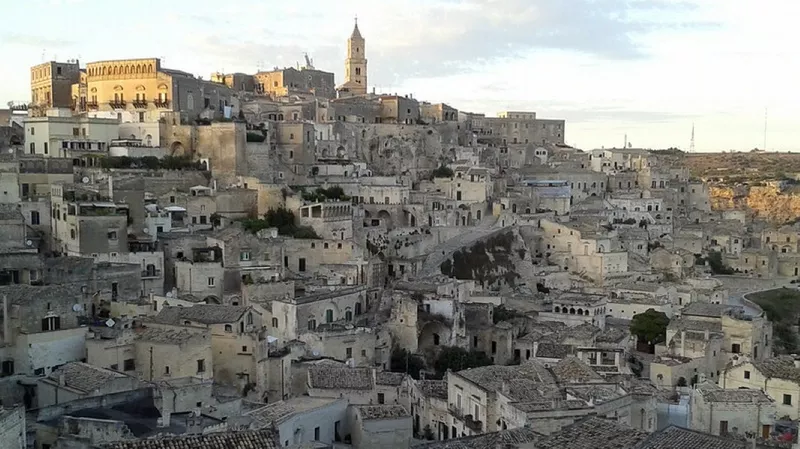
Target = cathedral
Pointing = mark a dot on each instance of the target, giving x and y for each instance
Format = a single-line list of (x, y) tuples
[(355, 66)]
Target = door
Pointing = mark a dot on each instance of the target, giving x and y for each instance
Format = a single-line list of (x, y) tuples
[(765, 431)]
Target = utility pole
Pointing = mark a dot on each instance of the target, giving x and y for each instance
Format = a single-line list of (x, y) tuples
[(151, 363)]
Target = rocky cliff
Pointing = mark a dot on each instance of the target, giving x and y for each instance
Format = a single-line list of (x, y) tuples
[(765, 202)]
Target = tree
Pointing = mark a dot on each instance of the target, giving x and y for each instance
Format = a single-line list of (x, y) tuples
[(442, 172), (716, 264), (403, 361), (650, 327), (457, 359)]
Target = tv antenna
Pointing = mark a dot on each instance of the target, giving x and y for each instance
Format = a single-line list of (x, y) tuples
[(691, 142), (44, 52)]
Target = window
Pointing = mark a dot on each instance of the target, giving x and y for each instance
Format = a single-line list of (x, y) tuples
[(301, 264), (348, 315), (52, 323), (211, 282), (244, 348), (329, 316), (244, 256), (228, 328), (112, 235), (348, 353), (312, 324), (381, 398), (494, 347), (201, 366), (45, 148), (33, 147), (747, 374), (316, 433), (34, 217), (735, 348), (475, 342), (114, 291), (166, 370), (787, 399), (723, 427), (274, 322), (33, 131), (128, 365)]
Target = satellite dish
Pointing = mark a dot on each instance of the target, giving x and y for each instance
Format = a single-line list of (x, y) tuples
[(77, 308), (146, 231), (110, 323), (169, 294), (85, 180), (29, 242)]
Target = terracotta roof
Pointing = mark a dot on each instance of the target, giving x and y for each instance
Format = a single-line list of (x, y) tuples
[(389, 378), (778, 368), (553, 350), (201, 313), (572, 370), (84, 377), (679, 438), (372, 412), (503, 439), (255, 439), (336, 377), (433, 388), (594, 433)]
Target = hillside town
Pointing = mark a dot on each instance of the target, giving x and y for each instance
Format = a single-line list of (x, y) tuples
[(281, 259)]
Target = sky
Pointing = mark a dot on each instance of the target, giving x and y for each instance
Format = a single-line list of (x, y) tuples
[(646, 69)]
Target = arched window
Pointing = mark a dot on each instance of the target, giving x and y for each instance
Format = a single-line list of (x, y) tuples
[(312, 324), (436, 339), (329, 316), (348, 314), (250, 318), (274, 322), (72, 233), (228, 328), (189, 101), (571, 311), (580, 311), (557, 309)]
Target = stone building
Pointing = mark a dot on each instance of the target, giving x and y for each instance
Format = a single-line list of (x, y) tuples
[(728, 412), (237, 342), (140, 90), (355, 67), (87, 222), (777, 377), (51, 85), (385, 426), (290, 81), (12, 428), (78, 380), (58, 133)]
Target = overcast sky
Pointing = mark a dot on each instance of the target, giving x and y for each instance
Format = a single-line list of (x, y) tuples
[(645, 68)]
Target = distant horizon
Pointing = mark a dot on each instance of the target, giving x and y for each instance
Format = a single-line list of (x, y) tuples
[(650, 69)]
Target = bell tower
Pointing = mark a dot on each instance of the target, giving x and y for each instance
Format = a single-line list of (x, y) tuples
[(355, 66)]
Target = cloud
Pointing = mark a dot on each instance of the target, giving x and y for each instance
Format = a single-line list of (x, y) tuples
[(425, 39), (28, 40)]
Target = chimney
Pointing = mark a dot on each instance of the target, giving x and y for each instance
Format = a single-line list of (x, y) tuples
[(6, 337), (111, 188), (797, 363), (62, 379)]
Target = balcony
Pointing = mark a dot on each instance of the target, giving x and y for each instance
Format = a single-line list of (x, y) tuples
[(139, 103), (151, 274), (92, 105), (117, 104), (161, 103), (468, 420)]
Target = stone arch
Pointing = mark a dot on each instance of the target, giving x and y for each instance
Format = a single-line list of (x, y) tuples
[(340, 152), (386, 218), (150, 68), (211, 299), (430, 331), (138, 68), (557, 309), (572, 311), (177, 149), (126, 70)]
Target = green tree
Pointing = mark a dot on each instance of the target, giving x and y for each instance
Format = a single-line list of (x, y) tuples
[(457, 359), (403, 361), (716, 264), (442, 172), (650, 327)]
